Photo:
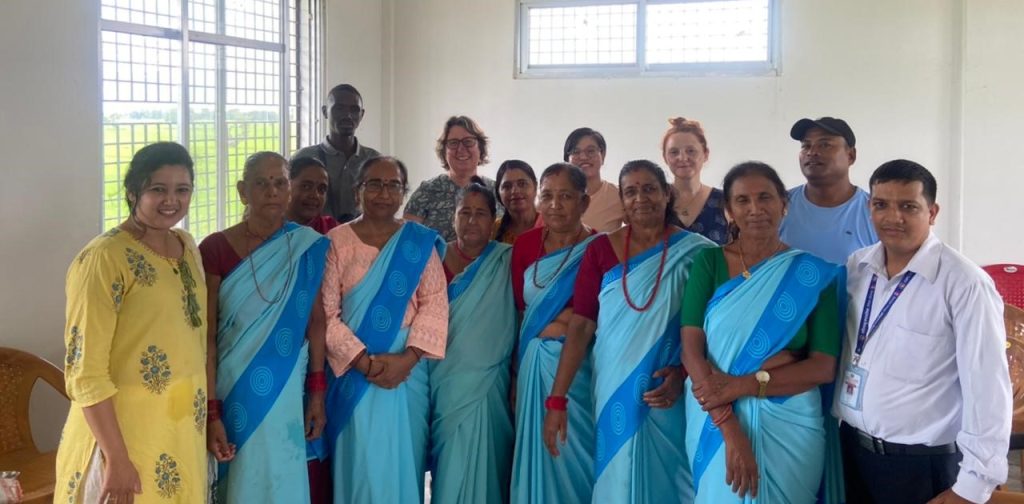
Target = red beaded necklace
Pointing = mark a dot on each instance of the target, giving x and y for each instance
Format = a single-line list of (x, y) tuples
[(463, 255), (657, 281), (544, 238)]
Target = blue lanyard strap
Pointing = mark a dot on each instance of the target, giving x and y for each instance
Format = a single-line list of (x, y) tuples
[(866, 330)]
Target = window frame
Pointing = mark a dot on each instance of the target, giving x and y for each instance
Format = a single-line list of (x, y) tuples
[(307, 123), (641, 68)]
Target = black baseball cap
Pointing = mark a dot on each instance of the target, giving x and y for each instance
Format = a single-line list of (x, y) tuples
[(829, 124)]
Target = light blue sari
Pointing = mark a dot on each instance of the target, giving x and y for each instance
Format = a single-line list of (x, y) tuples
[(748, 321), (378, 437), (639, 456), (537, 477), (261, 366), (471, 423)]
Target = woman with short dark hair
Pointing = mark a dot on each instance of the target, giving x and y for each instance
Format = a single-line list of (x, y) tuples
[(586, 148)]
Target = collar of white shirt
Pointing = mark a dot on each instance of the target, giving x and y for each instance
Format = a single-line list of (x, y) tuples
[(925, 262)]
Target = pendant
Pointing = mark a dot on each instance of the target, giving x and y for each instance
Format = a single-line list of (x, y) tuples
[(746, 274)]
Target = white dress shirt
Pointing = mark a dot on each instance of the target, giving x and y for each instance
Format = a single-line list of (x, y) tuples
[(936, 365)]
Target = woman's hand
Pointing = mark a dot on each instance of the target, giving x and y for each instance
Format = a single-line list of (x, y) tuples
[(740, 464), (120, 480), (394, 369), (217, 441), (555, 427), (719, 389), (665, 395), (315, 416)]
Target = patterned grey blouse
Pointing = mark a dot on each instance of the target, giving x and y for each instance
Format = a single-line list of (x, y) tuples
[(434, 202)]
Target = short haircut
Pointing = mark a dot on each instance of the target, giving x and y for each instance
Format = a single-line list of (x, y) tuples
[(299, 165), (469, 125), (344, 88), (906, 171), (577, 178), (365, 166), (579, 134), (150, 159)]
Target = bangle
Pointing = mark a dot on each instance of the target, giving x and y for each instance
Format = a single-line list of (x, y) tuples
[(214, 407), (557, 403), (722, 418), (316, 382)]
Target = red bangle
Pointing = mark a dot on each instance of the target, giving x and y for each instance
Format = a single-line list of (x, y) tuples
[(557, 403), (214, 408), (316, 382)]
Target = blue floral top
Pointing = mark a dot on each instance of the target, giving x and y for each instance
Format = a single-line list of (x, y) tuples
[(711, 222)]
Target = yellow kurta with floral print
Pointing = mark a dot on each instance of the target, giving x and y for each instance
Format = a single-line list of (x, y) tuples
[(136, 333)]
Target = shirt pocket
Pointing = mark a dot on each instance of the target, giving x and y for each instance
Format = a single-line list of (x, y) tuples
[(916, 357)]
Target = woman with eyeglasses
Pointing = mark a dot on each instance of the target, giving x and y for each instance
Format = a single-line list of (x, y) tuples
[(700, 207), (462, 148), (471, 420), (265, 342), (136, 341), (387, 310), (517, 191), (544, 266), (586, 148)]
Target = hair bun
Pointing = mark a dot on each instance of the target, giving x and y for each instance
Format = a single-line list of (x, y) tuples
[(677, 121)]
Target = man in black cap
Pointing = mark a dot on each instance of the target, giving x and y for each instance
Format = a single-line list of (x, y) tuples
[(341, 153), (829, 216)]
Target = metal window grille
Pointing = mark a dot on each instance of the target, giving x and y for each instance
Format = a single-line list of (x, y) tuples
[(646, 37), (249, 67)]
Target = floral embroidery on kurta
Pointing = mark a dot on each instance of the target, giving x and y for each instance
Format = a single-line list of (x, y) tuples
[(168, 480), (144, 272), (156, 371)]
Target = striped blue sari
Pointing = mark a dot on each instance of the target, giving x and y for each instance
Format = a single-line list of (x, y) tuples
[(377, 437), (471, 429), (748, 321), (261, 366), (639, 455), (537, 477)]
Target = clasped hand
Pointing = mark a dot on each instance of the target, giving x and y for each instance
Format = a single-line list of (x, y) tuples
[(717, 389), (390, 370)]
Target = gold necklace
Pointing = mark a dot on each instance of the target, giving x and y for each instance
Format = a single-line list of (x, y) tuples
[(746, 271)]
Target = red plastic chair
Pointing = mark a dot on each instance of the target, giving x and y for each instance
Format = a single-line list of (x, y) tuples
[(1009, 279)]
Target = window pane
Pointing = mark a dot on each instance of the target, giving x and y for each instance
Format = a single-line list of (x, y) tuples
[(588, 35), (708, 32), (202, 138), (202, 15), (253, 19), (162, 13), (135, 111)]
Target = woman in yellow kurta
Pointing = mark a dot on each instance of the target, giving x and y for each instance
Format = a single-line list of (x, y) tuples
[(136, 349)]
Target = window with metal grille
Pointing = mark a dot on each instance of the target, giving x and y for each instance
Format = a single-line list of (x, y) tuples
[(225, 78), (560, 38)]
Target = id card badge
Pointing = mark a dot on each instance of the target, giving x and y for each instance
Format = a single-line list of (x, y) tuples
[(851, 392)]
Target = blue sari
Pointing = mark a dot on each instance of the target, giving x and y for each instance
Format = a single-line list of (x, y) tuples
[(261, 365), (537, 477), (748, 321), (471, 429), (377, 437), (639, 457)]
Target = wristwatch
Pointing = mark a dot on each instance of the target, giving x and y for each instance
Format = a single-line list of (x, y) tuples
[(762, 379)]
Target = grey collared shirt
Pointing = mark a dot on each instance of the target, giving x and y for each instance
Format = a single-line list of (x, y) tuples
[(341, 171)]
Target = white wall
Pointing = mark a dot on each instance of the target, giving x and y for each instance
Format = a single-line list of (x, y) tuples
[(50, 194), (928, 80)]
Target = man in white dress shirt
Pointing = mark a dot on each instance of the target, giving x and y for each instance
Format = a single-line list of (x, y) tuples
[(923, 390)]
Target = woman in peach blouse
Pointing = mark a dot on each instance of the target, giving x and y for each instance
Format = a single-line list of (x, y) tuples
[(385, 298)]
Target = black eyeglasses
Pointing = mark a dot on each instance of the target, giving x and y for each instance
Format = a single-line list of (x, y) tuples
[(454, 143)]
